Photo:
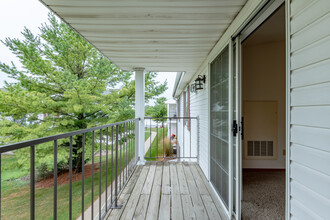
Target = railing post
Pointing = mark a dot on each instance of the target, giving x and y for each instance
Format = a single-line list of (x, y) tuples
[(140, 111), (136, 135), (55, 181)]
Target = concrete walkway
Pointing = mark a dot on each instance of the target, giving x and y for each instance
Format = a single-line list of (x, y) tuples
[(148, 142)]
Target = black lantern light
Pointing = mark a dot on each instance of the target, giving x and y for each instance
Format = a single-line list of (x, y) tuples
[(199, 82)]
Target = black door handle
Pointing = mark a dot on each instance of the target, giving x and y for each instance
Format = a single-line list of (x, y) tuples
[(242, 128), (235, 128)]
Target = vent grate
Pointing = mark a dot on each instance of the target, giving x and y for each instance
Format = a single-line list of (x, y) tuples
[(260, 148)]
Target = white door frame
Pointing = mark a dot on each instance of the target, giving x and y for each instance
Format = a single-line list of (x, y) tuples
[(287, 110), (245, 32), (238, 152), (264, 11)]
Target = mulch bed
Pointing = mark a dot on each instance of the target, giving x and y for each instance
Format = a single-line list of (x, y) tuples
[(64, 177)]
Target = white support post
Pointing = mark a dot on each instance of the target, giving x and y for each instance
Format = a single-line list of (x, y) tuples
[(139, 111)]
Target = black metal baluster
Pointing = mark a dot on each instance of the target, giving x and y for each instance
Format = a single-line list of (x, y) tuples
[(126, 149), (0, 185), (116, 206), (170, 137), (70, 181), (157, 140), (100, 177), (150, 139), (55, 180), (120, 148), (163, 139), (83, 178), (92, 216), (106, 171), (116, 173), (32, 179), (122, 156), (130, 145), (111, 162)]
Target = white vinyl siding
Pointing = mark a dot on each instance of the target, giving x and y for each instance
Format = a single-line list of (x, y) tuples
[(200, 138), (199, 108), (310, 109)]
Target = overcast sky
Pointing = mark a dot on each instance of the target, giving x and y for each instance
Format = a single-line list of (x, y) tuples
[(15, 14)]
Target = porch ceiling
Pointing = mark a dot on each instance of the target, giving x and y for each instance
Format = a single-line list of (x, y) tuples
[(159, 35)]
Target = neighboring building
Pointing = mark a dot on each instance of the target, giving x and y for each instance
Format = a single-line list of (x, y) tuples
[(172, 123), (171, 112)]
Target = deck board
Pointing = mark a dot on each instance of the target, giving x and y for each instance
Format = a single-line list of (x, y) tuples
[(165, 207), (141, 209), (177, 213), (211, 192), (166, 186), (135, 195), (197, 201), (153, 207), (182, 180), (168, 190)]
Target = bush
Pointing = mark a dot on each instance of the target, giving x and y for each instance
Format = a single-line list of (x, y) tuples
[(43, 172), (167, 147)]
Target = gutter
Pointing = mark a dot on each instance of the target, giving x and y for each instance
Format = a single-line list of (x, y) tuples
[(178, 79)]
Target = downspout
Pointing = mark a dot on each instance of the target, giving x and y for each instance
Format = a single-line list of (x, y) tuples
[(178, 79)]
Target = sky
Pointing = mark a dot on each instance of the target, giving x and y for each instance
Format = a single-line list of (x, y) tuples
[(17, 14)]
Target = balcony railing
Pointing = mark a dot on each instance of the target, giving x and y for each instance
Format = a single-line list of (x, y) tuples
[(113, 148), (114, 141), (172, 138)]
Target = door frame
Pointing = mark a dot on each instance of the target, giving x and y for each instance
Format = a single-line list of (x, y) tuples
[(259, 14), (266, 11), (238, 152)]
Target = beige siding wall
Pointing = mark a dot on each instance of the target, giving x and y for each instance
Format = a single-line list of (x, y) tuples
[(310, 109), (261, 64)]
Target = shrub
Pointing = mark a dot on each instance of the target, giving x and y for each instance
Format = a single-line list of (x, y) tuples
[(167, 146)]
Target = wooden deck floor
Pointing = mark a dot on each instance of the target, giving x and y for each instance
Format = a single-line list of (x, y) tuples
[(167, 190)]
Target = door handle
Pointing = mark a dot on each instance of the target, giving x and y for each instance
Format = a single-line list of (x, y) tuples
[(242, 128), (235, 128)]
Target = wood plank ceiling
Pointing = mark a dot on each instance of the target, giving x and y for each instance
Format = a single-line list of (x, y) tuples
[(159, 35)]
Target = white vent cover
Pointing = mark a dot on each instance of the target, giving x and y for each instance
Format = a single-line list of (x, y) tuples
[(260, 148)]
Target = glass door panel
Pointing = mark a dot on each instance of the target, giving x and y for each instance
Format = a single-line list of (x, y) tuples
[(219, 123)]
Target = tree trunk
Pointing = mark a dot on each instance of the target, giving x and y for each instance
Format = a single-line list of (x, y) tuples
[(77, 160), (77, 155)]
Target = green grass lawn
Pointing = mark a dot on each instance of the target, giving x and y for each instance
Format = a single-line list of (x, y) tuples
[(146, 135), (16, 191)]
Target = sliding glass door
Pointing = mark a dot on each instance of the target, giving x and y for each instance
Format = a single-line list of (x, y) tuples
[(219, 125), (225, 159)]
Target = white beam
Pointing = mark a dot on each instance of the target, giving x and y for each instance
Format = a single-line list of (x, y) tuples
[(139, 111)]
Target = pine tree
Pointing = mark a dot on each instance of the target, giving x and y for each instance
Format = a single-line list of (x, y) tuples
[(65, 79)]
